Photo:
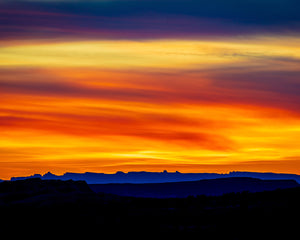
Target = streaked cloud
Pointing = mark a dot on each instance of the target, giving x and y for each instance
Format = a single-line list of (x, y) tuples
[(149, 85), (145, 19), (167, 53)]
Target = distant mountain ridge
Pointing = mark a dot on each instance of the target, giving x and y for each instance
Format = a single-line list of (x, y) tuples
[(208, 187), (155, 177)]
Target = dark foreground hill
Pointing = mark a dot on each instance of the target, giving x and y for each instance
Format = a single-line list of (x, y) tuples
[(69, 208), (212, 187)]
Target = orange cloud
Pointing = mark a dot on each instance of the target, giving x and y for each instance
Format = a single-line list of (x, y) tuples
[(86, 118)]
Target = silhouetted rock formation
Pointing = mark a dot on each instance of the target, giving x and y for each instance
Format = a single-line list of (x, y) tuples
[(211, 187), (155, 177)]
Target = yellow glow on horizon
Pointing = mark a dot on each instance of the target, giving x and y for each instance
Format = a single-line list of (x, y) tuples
[(256, 140), (168, 54)]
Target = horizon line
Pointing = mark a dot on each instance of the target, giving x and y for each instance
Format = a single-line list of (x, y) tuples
[(161, 172)]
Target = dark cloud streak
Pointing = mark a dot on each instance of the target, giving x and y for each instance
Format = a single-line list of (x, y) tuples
[(148, 19)]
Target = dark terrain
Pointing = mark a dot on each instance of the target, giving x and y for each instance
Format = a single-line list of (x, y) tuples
[(54, 207)]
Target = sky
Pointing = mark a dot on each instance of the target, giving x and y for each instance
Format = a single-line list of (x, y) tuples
[(149, 85)]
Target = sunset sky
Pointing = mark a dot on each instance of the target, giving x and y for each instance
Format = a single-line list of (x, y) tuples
[(149, 85)]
